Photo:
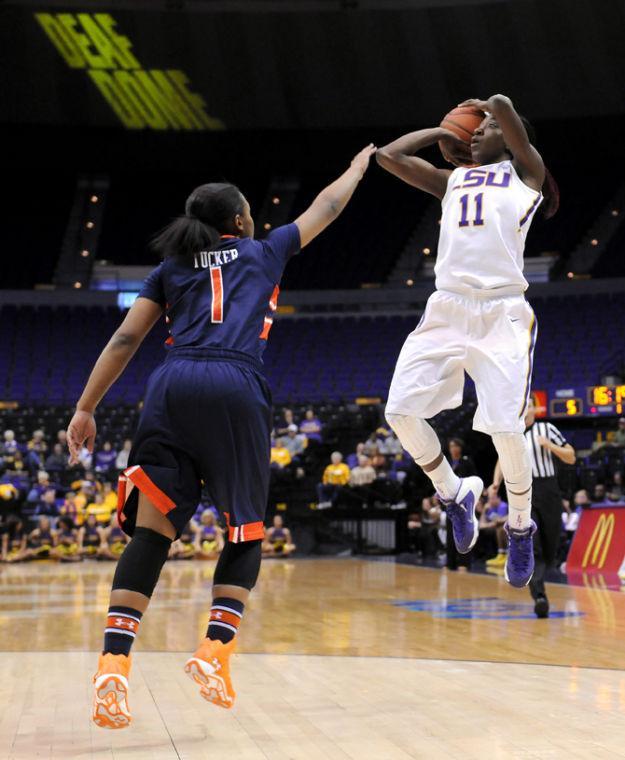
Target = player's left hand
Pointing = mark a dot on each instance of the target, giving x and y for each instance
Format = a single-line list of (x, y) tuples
[(481, 105), (80, 431), (544, 442)]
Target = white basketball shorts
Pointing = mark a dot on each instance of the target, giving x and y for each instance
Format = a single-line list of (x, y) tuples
[(492, 338)]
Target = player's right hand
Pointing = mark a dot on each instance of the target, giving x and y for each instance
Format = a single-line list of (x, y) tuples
[(80, 431), (361, 160), (454, 149)]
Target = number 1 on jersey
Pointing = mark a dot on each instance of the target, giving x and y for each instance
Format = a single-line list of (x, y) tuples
[(464, 211), (217, 286)]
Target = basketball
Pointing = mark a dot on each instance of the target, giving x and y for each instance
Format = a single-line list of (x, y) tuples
[(462, 121)]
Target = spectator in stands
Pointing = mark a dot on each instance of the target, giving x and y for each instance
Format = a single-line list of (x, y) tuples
[(61, 437), (37, 448), (294, 442), (492, 535), (335, 476), (372, 446), (14, 540), (283, 424), (210, 536), (9, 444), (390, 446), (114, 540), (311, 426), (105, 458), (280, 456), (70, 508), (616, 492), (430, 522), (110, 495), (619, 435), (47, 504), (570, 522), (415, 542), (278, 541), (352, 459), (58, 459), (121, 462), (363, 474), (67, 543), (461, 464), (90, 537), (599, 494), (100, 509), (41, 540), (43, 484)]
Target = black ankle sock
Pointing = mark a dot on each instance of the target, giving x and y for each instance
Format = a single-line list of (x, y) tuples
[(122, 624), (225, 619)]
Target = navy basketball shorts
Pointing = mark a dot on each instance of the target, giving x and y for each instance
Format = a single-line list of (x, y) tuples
[(206, 419)]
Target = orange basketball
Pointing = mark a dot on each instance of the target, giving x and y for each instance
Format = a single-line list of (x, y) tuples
[(462, 121)]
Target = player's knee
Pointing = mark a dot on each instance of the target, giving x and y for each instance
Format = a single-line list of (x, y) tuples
[(514, 459), (239, 564), (416, 436), (141, 563)]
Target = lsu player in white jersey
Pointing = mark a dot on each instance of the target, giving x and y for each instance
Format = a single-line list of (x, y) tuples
[(478, 319)]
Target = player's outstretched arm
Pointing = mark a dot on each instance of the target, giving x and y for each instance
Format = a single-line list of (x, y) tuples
[(527, 160), (333, 199), (109, 366), (398, 158)]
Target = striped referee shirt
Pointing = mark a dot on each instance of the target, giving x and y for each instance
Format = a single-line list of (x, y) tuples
[(542, 459)]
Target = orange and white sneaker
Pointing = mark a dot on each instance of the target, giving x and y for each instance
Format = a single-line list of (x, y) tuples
[(210, 669), (110, 699)]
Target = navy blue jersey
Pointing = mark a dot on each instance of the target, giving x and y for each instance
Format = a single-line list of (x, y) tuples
[(224, 298)]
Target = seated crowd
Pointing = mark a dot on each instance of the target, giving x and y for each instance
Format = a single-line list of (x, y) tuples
[(69, 513)]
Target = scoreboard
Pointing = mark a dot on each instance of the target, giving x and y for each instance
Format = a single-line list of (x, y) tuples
[(595, 400)]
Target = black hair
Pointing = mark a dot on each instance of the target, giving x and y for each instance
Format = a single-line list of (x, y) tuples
[(550, 190), (12, 524), (67, 521), (457, 441), (209, 212)]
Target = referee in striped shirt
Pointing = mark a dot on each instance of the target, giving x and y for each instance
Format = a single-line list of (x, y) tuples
[(544, 441)]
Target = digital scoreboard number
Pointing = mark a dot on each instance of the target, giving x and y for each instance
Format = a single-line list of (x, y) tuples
[(566, 407), (606, 399)]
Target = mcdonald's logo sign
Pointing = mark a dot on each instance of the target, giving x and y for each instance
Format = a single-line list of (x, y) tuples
[(600, 541)]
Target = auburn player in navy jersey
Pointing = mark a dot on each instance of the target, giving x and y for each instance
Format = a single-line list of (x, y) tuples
[(206, 417)]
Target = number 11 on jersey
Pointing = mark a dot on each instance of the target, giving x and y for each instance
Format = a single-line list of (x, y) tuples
[(478, 220), (217, 286)]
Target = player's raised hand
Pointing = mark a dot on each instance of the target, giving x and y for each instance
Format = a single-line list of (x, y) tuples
[(80, 431), (454, 149), (361, 160), (481, 105)]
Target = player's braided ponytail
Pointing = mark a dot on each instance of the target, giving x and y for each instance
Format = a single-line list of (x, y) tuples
[(209, 213)]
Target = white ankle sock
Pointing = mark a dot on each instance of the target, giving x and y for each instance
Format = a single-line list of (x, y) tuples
[(445, 480), (519, 510)]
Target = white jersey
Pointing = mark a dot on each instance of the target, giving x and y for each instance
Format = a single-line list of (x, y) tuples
[(487, 212)]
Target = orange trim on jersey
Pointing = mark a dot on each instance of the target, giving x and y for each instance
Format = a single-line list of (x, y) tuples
[(273, 301), (221, 616), (226, 237), (237, 534), (267, 324), (159, 498)]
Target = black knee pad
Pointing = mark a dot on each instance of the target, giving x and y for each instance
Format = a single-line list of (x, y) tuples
[(239, 565), (142, 561)]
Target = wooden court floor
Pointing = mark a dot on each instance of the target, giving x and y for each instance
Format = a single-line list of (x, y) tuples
[(337, 659)]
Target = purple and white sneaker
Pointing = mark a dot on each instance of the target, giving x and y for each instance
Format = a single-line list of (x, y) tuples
[(461, 512), (520, 562)]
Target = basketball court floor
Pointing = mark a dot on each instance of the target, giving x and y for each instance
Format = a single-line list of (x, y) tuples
[(337, 659)]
